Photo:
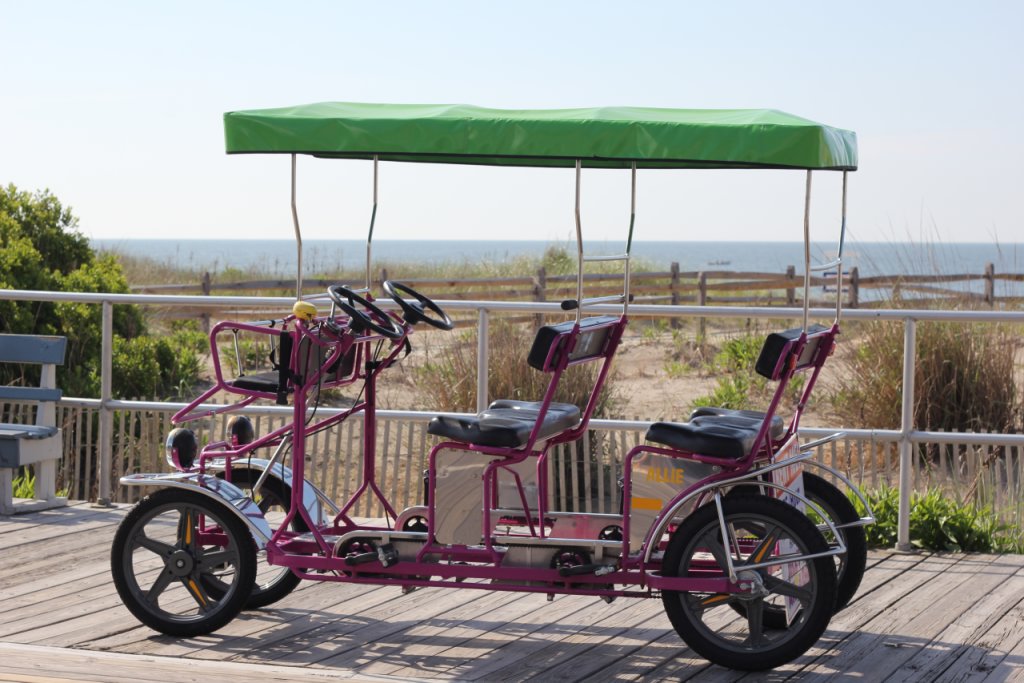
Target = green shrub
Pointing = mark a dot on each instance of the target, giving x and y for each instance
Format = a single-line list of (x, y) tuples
[(963, 379), (939, 523), (41, 248), (25, 484), (152, 367)]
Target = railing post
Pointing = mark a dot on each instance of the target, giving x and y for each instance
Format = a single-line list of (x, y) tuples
[(854, 287), (206, 287), (990, 284), (702, 300), (906, 427), (674, 291), (106, 436), (540, 285), (482, 342), (791, 290)]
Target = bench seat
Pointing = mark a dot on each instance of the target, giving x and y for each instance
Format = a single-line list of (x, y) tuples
[(25, 444), (506, 423), (41, 444), (739, 418)]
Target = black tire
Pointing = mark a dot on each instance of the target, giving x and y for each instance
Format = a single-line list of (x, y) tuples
[(739, 641), (272, 582), (850, 565), (158, 544)]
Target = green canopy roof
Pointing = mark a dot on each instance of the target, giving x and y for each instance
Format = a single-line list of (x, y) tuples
[(602, 137)]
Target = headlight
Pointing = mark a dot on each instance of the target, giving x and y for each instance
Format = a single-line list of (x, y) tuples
[(241, 430), (181, 449)]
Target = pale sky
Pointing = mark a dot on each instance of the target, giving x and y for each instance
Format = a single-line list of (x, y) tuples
[(116, 107)]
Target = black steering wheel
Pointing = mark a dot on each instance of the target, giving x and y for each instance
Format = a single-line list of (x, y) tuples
[(370, 316), (416, 311)]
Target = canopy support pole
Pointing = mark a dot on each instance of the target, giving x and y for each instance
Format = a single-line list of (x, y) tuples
[(373, 219), (298, 237), (807, 249), (624, 299), (579, 247), (842, 242), (629, 237)]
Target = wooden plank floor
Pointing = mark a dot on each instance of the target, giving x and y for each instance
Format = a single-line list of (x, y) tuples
[(920, 617)]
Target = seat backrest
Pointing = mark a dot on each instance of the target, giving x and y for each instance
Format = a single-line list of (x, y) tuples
[(591, 343), (556, 347), (778, 346), (29, 349)]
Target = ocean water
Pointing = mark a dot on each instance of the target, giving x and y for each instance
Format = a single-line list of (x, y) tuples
[(278, 257)]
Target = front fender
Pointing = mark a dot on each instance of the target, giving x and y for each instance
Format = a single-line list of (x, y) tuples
[(313, 499), (215, 488)]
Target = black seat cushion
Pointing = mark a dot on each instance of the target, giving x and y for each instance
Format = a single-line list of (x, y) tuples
[(738, 418), (262, 381), (506, 423), (707, 438)]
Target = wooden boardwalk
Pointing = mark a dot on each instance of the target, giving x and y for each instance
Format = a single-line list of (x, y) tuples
[(921, 617)]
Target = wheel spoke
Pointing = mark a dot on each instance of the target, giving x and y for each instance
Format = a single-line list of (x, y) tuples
[(187, 529), (755, 623), (207, 561), (713, 546), (164, 550), (764, 548), (700, 602), (198, 593), (163, 580), (787, 589)]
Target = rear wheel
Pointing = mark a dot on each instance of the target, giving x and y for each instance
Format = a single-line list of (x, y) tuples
[(851, 564), (274, 499), (166, 552), (760, 529)]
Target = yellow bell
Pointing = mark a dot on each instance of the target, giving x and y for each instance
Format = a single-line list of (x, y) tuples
[(304, 310)]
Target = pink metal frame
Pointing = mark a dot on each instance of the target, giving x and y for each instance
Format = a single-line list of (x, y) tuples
[(313, 557)]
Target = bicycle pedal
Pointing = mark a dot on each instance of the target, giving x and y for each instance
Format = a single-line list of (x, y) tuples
[(361, 558), (583, 569), (387, 554)]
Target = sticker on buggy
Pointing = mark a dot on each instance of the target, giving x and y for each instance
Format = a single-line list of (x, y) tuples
[(792, 478)]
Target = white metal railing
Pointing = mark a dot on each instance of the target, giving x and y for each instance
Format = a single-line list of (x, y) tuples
[(907, 435)]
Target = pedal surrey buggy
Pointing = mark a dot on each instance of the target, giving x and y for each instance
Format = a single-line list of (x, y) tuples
[(750, 555)]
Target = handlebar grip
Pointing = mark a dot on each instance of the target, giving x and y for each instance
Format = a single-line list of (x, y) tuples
[(570, 305)]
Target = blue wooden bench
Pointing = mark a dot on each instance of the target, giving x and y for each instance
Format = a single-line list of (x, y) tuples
[(39, 444)]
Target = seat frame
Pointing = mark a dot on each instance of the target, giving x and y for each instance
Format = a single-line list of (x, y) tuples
[(563, 351)]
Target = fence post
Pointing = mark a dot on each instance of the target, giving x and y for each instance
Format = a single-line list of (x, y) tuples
[(906, 427), (205, 316), (383, 276), (791, 291), (990, 284), (540, 284), (106, 436), (854, 287), (702, 300), (481, 360), (674, 291)]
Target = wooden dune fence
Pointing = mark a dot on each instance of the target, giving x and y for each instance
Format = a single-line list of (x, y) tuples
[(676, 287)]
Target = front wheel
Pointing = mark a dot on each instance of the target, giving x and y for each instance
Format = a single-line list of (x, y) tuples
[(169, 548), (759, 530)]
